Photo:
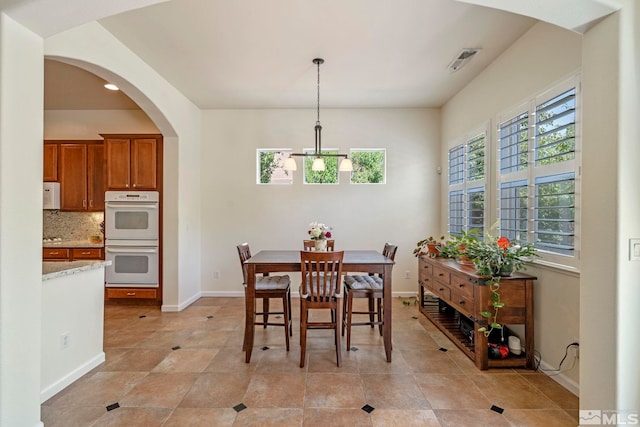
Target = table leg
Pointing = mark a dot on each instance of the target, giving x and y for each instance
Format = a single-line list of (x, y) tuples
[(250, 307), (387, 310)]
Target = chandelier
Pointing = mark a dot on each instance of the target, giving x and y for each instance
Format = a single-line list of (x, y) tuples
[(318, 162)]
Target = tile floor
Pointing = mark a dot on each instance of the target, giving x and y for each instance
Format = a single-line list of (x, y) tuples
[(187, 369)]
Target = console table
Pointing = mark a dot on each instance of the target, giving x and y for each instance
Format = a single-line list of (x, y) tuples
[(462, 295)]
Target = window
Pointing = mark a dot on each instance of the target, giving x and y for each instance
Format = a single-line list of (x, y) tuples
[(368, 166), (537, 174), (270, 162), (467, 176), (330, 173)]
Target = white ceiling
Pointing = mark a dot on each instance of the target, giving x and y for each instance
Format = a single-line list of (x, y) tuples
[(258, 54)]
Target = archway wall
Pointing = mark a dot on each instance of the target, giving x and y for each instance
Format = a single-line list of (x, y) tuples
[(94, 49)]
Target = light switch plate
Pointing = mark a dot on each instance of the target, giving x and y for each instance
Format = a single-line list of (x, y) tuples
[(634, 249)]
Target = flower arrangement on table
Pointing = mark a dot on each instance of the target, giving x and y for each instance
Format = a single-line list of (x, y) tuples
[(319, 231)]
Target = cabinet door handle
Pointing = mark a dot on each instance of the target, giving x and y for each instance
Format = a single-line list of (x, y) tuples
[(134, 185), (127, 185), (90, 203), (84, 203)]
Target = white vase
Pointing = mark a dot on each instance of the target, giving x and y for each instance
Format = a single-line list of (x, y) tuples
[(320, 245)]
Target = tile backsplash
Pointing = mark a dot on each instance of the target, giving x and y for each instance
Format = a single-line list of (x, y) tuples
[(71, 225)]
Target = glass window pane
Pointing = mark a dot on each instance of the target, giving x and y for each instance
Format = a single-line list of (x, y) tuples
[(555, 213), (330, 173), (555, 129), (270, 163), (514, 210), (456, 165), (514, 144), (368, 166)]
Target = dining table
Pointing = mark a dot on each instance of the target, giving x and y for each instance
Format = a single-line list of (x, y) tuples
[(273, 261)]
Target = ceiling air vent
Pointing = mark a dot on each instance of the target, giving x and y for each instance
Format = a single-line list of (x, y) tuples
[(462, 58)]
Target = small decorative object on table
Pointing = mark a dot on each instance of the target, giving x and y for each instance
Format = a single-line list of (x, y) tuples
[(319, 232)]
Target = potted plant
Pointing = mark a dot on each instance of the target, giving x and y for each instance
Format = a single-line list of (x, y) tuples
[(431, 245), (319, 232), (494, 259), (456, 247)]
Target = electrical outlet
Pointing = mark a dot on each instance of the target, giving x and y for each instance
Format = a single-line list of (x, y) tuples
[(576, 348), (64, 340), (407, 274), (216, 274)]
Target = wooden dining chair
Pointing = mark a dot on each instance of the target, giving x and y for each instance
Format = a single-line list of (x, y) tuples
[(320, 289), (268, 287), (309, 245), (370, 287)]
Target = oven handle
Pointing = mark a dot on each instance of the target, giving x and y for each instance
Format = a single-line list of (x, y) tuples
[(150, 205), (133, 250)]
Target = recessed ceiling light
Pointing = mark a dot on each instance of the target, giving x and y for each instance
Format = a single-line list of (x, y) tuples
[(111, 86)]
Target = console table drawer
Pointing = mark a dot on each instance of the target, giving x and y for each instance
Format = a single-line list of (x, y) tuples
[(441, 275), (462, 285)]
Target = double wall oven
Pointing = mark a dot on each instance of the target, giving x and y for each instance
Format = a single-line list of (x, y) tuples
[(132, 232)]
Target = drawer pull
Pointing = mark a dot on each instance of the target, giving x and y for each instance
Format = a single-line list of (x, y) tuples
[(86, 253), (131, 294), (440, 275), (461, 285), (441, 289), (54, 253), (461, 302)]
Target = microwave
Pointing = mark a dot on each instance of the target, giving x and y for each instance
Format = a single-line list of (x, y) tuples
[(51, 195)]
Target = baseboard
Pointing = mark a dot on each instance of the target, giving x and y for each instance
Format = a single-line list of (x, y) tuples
[(182, 305), (561, 379), (71, 377)]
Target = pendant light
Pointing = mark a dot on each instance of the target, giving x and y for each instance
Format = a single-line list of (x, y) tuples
[(318, 162)]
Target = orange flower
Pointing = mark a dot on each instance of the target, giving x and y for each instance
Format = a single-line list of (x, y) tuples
[(503, 242)]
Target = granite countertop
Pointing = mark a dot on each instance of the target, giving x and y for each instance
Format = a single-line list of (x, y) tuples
[(54, 269), (73, 244)]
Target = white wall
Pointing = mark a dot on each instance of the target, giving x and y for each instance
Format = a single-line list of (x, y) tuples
[(543, 56), (235, 209), (74, 305), (21, 83), (74, 124)]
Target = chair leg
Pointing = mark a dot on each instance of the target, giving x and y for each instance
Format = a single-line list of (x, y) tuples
[(344, 309), (265, 312), (380, 318), (290, 323), (371, 311), (349, 318), (287, 321), (337, 335), (303, 334)]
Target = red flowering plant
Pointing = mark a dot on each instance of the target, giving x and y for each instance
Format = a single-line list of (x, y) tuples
[(496, 258)]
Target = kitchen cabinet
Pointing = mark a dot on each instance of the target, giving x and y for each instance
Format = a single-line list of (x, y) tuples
[(72, 254), (81, 177), (50, 163), (132, 161)]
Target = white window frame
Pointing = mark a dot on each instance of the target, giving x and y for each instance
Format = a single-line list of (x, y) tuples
[(384, 164), (533, 171), (467, 187)]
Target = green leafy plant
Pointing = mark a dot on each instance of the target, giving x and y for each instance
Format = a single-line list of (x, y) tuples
[(430, 244), (456, 246), (497, 258)]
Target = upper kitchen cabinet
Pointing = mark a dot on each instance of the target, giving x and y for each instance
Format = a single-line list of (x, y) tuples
[(132, 161), (82, 176), (50, 169)]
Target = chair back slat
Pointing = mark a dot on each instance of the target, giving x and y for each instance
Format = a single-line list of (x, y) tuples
[(321, 275), (244, 253), (309, 245), (389, 251)]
